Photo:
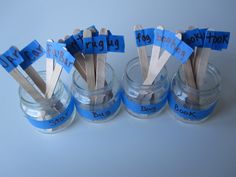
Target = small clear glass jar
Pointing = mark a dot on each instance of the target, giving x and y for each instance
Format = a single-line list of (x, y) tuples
[(51, 115), (98, 105), (194, 105), (144, 101)]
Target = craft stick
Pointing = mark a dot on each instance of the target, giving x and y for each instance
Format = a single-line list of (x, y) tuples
[(153, 62), (36, 78), (201, 65), (101, 66), (80, 61), (49, 70), (188, 69), (89, 64), (54, 79), (143, 58)]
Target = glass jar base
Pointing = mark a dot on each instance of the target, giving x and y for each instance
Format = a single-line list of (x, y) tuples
[(61, 127), (102, 120), (181, 119), (146, 116)]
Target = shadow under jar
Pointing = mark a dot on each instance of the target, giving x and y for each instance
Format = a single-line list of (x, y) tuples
[(51, 115), (194, 105), (144, 101), (97, 105)]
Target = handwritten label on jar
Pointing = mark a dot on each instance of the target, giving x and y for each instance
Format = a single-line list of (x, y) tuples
[(53, 122), (99, 114), (186, 113), (143, 108)]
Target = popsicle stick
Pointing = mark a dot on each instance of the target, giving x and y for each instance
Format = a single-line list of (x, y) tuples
[(188, 68), (101, 66), (49, 69), (153, 62), (201, 65), (143, 58), (54, 79), (89, 64), (36, 78), (26, 85)]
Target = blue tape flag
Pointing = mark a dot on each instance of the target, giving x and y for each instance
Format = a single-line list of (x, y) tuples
[(56, 121), (79, 41), (95, 45), (187, 113), (146, 109), (144, 37), (100, 114), (216, 40), (194, 38), (172, 44), (11, 59), (58, 52), (115, 43), (31, 53), (72, 45)]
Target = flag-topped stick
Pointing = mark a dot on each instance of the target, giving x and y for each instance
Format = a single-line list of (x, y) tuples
[(142, 53)]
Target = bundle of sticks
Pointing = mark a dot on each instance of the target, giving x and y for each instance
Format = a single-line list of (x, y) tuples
[(164, 45), (202, 41)]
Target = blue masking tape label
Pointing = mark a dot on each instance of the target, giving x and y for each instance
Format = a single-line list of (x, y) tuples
[(143, 108), (31, 53), (115, 43), (172, 44), (194, 38), (100, 114), (11, 59), (144, 37), (72, 45), (56, 121), (79, 41), (58, 52), (186, 113), (216, 40), (95, 45)]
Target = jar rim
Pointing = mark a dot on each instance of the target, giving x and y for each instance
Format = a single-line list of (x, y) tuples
[(196, 91), (86, 91), (23, 93), (156, 85)]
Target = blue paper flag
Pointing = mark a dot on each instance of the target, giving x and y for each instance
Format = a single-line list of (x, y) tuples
[(11, 59), (194, 38), (31, 53), (115, 43), (216, 40), (72, 45), (58, 52), (168, 41), (144, 37), (95, 45)]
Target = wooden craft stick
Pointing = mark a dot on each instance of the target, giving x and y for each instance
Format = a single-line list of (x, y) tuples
[(79, 61), (26, 85), (49, 70), (54, 79), (143, 58), (36, 78), (153, 62), (101, 66), (201, 65), (188, 69), (89, 64)]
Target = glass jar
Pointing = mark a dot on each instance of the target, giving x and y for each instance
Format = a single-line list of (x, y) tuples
[(98, 105), (144, 101), (194, 105), (50, 115)]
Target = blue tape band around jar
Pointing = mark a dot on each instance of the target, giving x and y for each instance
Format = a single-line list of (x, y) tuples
[(143, 108), (100, 114), (56, 121), (186, 113)]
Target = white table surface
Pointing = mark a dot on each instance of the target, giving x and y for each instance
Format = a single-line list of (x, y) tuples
[(124, 146)]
